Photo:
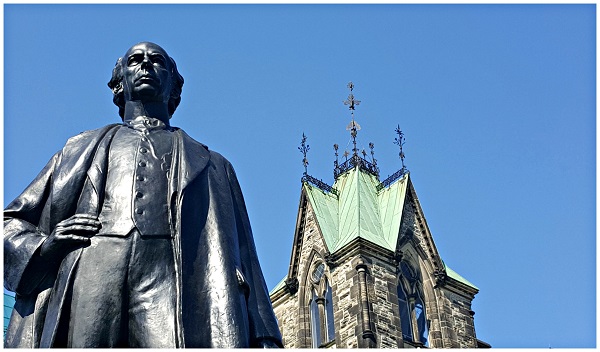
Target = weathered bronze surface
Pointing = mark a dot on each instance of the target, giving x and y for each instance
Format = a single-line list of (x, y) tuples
[(136, 235)]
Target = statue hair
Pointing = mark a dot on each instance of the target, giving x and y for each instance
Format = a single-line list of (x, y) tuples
[(116, 85)]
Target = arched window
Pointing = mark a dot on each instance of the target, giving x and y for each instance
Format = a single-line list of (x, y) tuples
[(321, 308), (404, 313), (421, 321), (329, 313), (413, 316), (315, 321)]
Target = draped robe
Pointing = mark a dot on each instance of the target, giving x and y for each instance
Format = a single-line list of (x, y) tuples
[(222, 298)]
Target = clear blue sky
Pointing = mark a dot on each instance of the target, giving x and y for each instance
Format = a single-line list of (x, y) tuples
[(497, 103)]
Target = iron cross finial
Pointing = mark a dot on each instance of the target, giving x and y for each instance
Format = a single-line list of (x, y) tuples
[(304, 148), (399, 141), (351, 101)]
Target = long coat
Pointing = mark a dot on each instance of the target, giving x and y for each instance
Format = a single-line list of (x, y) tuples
[(222, 298)]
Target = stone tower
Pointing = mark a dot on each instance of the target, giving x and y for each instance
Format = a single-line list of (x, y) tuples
[(364, 269)]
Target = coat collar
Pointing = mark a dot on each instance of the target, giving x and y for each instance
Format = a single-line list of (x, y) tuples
[(191, 159)]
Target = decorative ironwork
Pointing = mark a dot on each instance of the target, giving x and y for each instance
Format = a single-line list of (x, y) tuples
[(399, 141), (353, 127), (372, 146), (356, 161), (388, 181), (336, 162), (304, 148), (319, 184), (351, 101)]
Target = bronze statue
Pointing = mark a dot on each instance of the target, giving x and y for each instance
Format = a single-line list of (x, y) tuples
[(136, 235)]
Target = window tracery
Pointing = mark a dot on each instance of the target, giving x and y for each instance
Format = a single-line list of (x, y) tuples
[(411, 305), (321, 308)]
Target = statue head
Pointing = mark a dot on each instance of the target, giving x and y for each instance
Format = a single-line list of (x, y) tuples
[(146, 73)]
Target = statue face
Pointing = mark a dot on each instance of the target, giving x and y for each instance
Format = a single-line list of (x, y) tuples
[(147, 73)]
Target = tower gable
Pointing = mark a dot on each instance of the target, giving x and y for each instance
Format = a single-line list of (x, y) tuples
[(364, 270)]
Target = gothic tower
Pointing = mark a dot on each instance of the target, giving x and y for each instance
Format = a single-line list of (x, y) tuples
[(364, 270)]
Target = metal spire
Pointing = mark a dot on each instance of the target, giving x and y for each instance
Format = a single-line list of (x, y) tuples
[(353, 127), (351, 101), (399, 141), (373, 160), (354, 159), (336, 164), (304, 148)]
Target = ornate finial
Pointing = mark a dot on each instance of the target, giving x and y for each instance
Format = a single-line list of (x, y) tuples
[(355, 160), (372, 147), (304, 148), (351, 101), (353, 127), (336, 165), (399, 141)]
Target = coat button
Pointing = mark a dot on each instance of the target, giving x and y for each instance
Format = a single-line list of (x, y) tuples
[(140, 178), (139, 210), (139, 195), (143, 150), (142, 164)]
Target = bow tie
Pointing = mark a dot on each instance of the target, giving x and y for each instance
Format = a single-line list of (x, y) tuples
[(144, 123)]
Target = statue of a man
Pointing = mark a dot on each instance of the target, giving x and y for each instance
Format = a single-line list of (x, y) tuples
[(136, 235)]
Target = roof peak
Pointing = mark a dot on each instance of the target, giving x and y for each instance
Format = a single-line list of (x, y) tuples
[(354, 160)]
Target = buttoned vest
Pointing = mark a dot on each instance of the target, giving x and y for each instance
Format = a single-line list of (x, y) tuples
[(136, 194)]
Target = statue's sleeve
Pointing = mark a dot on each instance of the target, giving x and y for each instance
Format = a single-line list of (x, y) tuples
[(263, 324), (23, 270)]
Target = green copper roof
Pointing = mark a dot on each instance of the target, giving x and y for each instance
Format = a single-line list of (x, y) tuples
[(279, 286), (359, 210), (453, 274)]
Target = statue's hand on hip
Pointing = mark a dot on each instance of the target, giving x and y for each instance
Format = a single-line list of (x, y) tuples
[(72, 232)]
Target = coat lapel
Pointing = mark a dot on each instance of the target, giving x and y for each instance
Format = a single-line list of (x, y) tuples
[(76, 162), (194, 157), (189, 160)]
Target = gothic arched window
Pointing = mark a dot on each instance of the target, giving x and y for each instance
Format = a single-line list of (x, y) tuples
[(321, 308), (404, 313), (315, 321), (421, 321), (329, 313), (413, 316)]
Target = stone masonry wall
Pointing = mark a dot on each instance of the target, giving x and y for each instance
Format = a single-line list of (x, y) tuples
[(346, 304), (432, 310), (286, 311), (458, 312), (383, 296), (462, 318)]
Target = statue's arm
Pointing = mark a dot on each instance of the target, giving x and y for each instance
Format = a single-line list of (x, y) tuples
[(23, 270), (263, 324)]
